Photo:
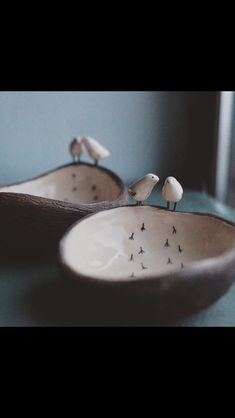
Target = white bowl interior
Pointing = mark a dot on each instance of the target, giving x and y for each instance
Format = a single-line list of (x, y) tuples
[(130, 242), (81, 184)]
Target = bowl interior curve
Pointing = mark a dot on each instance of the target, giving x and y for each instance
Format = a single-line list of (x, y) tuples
[(131, 242), (79, 184)]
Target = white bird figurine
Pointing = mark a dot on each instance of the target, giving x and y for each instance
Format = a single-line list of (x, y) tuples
[(141, 190), (95, 150), (172, 192), (76, 149)]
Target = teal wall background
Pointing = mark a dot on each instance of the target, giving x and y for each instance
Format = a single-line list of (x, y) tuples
[(162, 132)]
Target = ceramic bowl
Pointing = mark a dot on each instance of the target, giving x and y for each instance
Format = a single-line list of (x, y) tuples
[(38, 211), (152, 262)]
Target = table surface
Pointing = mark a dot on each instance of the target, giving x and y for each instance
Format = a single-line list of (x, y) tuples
[(36, 295)]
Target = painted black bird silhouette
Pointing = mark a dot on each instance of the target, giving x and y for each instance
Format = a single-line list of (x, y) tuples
[(167, 243), (169, 261), (143, 267), (141, 251), (180, 249), (143, 228), (174, 230), (132, 257), (132, 235)]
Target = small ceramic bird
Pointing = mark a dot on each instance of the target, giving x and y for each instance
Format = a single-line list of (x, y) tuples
[(172, 192), (76, 149), (95, 150), (141, 190)]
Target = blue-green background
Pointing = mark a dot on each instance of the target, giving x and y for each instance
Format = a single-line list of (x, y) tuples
[(170, 133)]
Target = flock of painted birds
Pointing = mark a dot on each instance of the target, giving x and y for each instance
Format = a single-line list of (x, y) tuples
[(172, 190)]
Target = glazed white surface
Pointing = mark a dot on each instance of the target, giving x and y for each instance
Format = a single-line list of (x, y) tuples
[(141, 189), (95, 150), (80, 183), (172, 190), (101, 245)]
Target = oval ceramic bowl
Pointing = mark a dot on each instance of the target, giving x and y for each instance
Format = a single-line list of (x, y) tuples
[(152, 261), (38, 211)]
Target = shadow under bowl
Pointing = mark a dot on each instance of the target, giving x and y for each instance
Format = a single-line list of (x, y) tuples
[(150, 263)]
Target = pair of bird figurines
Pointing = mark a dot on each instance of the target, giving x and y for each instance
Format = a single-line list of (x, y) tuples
[(172, 191), (95, 150)]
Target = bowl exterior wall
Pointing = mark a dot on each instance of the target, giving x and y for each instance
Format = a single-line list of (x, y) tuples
[(160, 300), (34, 225)]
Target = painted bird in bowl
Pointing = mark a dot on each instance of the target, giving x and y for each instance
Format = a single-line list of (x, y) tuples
[(172, 191), (141, 190)]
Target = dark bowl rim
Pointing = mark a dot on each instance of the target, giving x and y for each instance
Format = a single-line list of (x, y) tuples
[(202, 266), (46, 201)]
